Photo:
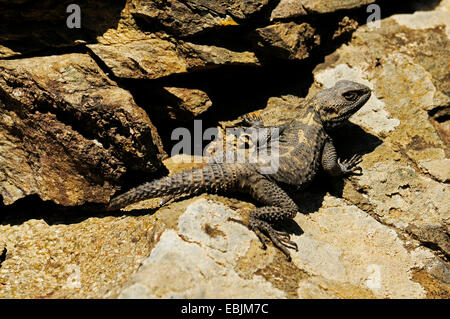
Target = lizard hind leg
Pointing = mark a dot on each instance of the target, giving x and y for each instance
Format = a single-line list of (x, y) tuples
[(278, 207)]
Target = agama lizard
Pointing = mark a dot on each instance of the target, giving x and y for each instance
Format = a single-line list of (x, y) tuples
[(304, 146)]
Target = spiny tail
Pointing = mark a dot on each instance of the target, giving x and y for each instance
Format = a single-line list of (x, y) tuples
[(209, 178)]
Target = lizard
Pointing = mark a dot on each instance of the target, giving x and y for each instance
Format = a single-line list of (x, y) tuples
[(305, 145)]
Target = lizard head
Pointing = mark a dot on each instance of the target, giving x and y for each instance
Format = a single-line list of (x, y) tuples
[(336, 104)]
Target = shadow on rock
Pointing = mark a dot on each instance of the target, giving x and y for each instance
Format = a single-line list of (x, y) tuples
[(39, 28), (32, 207)]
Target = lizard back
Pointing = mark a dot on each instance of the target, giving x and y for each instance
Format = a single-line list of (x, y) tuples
[(300, 149)]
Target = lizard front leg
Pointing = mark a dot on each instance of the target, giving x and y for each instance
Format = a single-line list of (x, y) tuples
[(278, 206), (334, 166)]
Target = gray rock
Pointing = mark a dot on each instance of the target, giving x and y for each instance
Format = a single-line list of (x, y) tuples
[(189, 17), (199, 260)]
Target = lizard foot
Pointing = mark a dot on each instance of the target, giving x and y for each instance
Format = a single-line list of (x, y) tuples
[(350, 166), (280, 239)]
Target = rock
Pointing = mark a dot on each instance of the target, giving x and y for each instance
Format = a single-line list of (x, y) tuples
[(190, 17), (364, 253), (198, 261), (80, 259), (191, 102), (204, 249), (143, 59), (287, 9), (345, 27), (287, 40), (154, 57), (207, 56), (67, 132), (439, 168)]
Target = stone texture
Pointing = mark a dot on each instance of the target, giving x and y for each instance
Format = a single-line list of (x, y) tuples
[(366, 254), (67, 132), (190, 17), (82, 259), (295, 8), (287, 40), (198, 261), (207, 255), (288, 9), (154, 57), (439, 168), (189, 102)]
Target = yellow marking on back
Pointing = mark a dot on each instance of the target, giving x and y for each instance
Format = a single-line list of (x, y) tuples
[(301, 136), (308, 119)]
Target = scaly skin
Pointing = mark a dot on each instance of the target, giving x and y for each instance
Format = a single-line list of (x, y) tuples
[(304, 147)]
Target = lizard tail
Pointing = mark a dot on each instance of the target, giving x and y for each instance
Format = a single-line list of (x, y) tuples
[(209, 178)]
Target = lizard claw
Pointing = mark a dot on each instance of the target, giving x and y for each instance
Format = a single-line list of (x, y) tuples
[(350, 166), (279, 238)]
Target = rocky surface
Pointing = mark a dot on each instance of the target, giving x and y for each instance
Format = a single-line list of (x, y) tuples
[(191, 102), (297, 8), (79, 125), (155, 58), (69, 133), (190, 17), (287, 40)]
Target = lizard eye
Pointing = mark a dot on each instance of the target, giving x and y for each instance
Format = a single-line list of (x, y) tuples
[(350, 96)]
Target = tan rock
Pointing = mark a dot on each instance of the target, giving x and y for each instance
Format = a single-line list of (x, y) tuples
[(80, 259), (287, 40), (154, 57), (142, 59), (294, 8), (191, 102), (67, 132), (439, 168)]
